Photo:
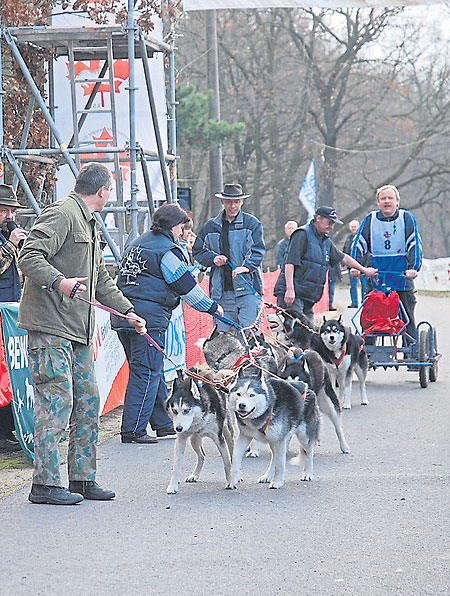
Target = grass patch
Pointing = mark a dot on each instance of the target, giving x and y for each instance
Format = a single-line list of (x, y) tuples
[(14, 463)]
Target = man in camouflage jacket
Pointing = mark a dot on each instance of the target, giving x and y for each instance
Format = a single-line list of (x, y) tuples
[(60, 259)]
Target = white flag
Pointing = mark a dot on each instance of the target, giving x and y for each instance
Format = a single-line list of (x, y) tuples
[(307, 194)]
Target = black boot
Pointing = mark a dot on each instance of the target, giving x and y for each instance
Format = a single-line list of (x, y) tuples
[(142, 439), (53, 495), (90, 490)]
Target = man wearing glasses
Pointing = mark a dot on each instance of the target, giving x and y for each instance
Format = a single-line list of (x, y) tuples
[(62, 259)]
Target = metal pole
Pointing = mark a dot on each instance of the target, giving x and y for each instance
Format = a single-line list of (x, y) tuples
[(26, 130), (132, 106), (151, 99), (39, 99), (172, 116), (2, 168), (215, 154)]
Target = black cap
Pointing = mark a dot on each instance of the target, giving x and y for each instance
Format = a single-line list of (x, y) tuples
[(329, 212)]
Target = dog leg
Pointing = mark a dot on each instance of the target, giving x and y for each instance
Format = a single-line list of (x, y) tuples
[(197, 446), (240, 446), (279, 456), (362, 385), (253, 449), (347, 384), (327, 408), (223, 450), (270, 472), (178, 452), (228, 435), (306, 455)]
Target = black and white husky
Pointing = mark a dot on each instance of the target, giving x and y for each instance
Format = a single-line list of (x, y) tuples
[(272, 410), (308, 366), (198, 412), (344, 354)]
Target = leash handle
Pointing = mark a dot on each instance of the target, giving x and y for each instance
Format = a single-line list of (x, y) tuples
[(243, 279)]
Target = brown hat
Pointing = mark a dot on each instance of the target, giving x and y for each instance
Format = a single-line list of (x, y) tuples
[(232, 191), (8, 197)]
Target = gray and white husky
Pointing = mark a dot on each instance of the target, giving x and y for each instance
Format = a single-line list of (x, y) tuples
[(198, 412), (272, 410), (344, 354)]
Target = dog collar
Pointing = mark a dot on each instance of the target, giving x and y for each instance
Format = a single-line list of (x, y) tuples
[(337, 361), (266, 423)]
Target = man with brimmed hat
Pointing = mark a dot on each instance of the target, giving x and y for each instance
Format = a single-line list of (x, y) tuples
[(232, 246), (10, 237), (310, 255)]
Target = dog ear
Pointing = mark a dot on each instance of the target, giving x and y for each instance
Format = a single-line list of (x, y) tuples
[(214, 332), (324, 319), (194, 390), (340, 319)]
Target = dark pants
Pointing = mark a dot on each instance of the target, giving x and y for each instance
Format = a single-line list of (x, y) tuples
[(300, 304), (146, 393), (6, 420), (408, 299)]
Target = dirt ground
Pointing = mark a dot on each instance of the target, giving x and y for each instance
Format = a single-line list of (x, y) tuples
[(16, 469)]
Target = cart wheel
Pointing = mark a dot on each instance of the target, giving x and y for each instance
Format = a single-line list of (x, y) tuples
[(423, 355), (434, 370)]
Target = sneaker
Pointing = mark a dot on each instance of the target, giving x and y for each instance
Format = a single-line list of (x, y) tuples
[(142, 439), (90, 490), (332, 308), (53, 495), (166, 431), (352, 306)]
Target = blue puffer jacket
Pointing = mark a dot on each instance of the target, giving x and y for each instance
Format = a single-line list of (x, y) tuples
[(247, 249), (142, 282)]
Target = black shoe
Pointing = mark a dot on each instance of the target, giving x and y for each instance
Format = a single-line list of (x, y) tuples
[(352, 306), (332, 308), (9, 446), (142, 439), (53, 495), (90, 490), (166, 431)]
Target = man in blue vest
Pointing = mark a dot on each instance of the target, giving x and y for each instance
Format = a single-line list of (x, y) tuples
[(10, 237), (310, 255), (390, 236)]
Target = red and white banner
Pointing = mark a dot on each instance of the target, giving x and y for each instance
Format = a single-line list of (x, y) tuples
[(434, 275), (97, 128)]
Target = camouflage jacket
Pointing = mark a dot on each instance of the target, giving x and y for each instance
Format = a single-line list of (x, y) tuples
[(64, 242)]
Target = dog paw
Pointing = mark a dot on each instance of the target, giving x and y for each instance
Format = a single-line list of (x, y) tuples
[(231, 486), (252, 453), (172, 489), (365, 403), (306, 477), (191, 478), (347, 406), (275, 484)]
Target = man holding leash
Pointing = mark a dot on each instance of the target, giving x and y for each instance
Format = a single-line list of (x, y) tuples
[(232, 245), (10, 237), (391, 237), (61, 259), (310, 255)]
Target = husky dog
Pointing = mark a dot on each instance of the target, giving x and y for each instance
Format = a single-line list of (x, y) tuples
[(309, 367), (222, 350), (273, 411), (198, 412), (344, 354)]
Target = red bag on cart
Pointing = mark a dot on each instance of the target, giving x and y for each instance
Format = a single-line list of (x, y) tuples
[(380, 314)]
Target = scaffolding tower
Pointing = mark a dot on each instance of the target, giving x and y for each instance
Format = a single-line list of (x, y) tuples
[(104, 43)]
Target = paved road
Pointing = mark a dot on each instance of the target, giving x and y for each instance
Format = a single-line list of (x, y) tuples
[(372, 523)]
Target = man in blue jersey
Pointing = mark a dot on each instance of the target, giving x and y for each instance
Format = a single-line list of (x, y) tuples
[(391, 236)]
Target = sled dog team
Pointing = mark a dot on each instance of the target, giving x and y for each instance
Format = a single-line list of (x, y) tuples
[(279, 393)]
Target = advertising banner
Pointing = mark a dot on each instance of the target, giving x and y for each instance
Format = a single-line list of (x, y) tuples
[(243, 4), (15, 343)]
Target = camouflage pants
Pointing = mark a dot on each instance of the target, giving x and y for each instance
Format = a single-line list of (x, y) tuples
[(66, 393)]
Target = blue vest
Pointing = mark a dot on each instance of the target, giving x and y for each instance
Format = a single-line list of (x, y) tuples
[(310, 275), (389, 249), (142, 282), (10, 289)]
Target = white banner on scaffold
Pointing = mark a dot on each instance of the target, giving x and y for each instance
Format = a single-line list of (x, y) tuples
[(97, 128)]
